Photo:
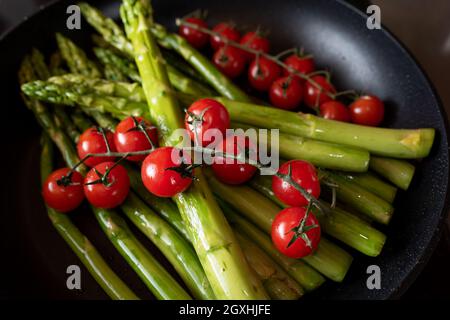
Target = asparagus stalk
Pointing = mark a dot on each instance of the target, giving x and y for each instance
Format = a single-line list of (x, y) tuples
[(330, 260), (306, 276), (277, 282), (399, 172), (181, 254), (75, 58), (357, 197), (165, 207), (397, 143), (372, 183), (81, 121), (155, 277), (322, 154), (82, 95), (212, 237), (114, 287)]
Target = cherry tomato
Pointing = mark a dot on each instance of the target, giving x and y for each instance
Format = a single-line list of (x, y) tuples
[(230, 61), (196, 38), (92, 141), (262, 73), (255, 41), (300, 64), (304, 174), (232, 171), (286, 93), (335, 110), (287, 235), (112, 191), (226, 31), (314, 96), (61, 192), (367, 110), (129, 138), (211, 115), (159, 176)]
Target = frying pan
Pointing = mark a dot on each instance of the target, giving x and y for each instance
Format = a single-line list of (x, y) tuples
[(34, 258)]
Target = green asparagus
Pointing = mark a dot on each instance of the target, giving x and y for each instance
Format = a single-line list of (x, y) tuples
[(372, 183), (399, 172), (398, 143)]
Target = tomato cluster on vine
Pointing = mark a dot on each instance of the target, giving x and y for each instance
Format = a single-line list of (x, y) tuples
[(288, 83)]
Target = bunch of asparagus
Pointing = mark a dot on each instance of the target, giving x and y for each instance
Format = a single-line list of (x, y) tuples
[(216, 236)]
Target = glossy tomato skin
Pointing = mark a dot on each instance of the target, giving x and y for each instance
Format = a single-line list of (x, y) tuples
[(216, 117), (107, 197), (305, 175), (128, 140), (226, 31), (158, 179), (262, 72), (92, 141), (314, 96), (230, 61), (282, 233), (286, 93), (367, 110), (300, 64), (196, 38), (231, 171), (255, 41), (63, 198), (335, 110)]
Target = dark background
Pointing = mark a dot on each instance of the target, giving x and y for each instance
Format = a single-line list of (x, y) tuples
[(424, 28)]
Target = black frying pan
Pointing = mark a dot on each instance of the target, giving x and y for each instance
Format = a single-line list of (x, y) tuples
[(34, 258)]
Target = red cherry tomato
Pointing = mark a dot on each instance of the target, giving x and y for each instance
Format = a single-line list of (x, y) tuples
[(286, 93), (158, 175), (287, 234), (304, 174), (210, 115), (300, 64), (262, 73), (61, 192), (110, 193), (335, 110), (232, 171), (128, 138), (314, 96), (92, 141), (196, 38), (367, 110), (255, 41), (230, 61), (226, 31)]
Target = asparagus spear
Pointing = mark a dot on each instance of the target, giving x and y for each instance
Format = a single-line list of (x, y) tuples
[(338, 223), (357, 197), (399, 172), (82, 95), (372, 183), (322, 154), (330, 260), (212, 237), (114, 287), (277, 282), (397, 143), (75, 58)]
